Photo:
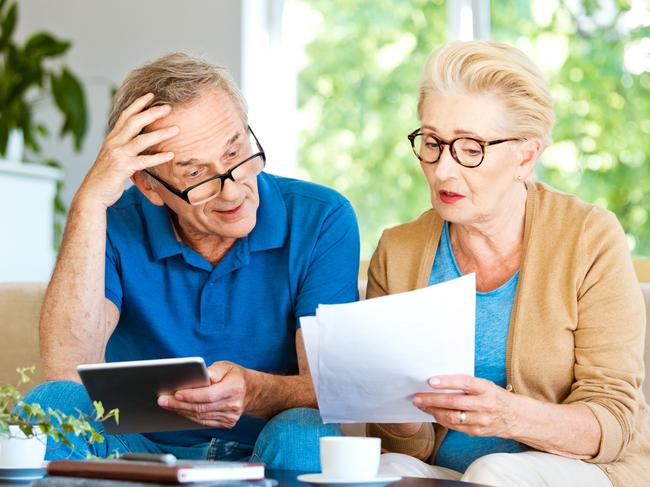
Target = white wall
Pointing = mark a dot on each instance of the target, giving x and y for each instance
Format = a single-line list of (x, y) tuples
[(110, 38), (269, 69)]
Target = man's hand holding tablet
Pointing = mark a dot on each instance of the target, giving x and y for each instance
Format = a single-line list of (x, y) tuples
[(220, 405)]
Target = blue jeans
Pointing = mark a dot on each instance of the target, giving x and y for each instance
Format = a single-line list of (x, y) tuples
[(289, 440)]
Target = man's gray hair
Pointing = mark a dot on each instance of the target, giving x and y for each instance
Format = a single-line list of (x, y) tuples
[(175, 79)]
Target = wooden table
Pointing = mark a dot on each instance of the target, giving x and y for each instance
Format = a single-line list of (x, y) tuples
[(286, 478)]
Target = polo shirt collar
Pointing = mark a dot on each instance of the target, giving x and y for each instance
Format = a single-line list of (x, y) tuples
[(270, 230), (162, 237)]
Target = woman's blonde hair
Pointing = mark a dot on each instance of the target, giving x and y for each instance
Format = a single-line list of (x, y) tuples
[(488, 67), (175, 79)]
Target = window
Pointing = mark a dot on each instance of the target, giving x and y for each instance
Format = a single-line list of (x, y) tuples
[(357, 94), (596, 57)]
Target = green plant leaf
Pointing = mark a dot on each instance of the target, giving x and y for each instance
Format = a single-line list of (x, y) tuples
[(42, 130), (8, 25), (4, 429), (27, 408), (37, 410), (27, 429), (641, 32), (4, 134), (95, 437), (55, 414), (71, 425), (55, 434), (54, 423), (9, 392), (70, 98), (99, 409), (25, 373), (26, 125), (48, 161), (42, 45), (59, 204)]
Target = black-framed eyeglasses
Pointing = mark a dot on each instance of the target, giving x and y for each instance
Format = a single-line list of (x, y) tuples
[(211, 188), (466, 151)]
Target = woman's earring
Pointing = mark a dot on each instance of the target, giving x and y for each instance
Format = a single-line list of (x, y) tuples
[(518, 178)]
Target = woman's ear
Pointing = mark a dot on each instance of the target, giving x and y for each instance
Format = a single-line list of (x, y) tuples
[(529, 151), (147, 187)]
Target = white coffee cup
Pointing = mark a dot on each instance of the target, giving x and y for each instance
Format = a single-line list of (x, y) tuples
[(351, 458), (18, 451)]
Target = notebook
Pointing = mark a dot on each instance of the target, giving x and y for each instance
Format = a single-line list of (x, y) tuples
[(180, 473)]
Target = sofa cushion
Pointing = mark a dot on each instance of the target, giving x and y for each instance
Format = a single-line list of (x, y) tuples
[(20, 306)]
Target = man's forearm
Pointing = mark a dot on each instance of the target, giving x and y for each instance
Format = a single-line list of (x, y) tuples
[(72, 324), (268, 395)]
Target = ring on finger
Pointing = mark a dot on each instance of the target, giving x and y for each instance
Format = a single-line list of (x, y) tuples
[(462, 417)]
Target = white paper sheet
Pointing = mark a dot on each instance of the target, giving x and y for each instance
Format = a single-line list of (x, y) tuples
[(368, 358), (309, 327)]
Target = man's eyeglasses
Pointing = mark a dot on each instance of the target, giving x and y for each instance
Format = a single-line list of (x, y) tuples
[(466, 151), (210, 188)]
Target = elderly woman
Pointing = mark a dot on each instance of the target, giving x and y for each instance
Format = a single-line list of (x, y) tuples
[(556, 398)]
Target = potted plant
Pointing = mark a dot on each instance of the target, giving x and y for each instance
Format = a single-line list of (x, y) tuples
[(27, 77), (24, 427), (32, 73)]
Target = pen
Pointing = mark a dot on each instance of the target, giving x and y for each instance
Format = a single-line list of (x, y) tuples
[(165, 458)]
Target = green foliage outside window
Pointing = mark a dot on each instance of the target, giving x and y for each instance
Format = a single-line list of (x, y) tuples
[(358, 95), (602, 135), (357, 100)]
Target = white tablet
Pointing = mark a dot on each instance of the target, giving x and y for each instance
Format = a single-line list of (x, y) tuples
[(133, 388)]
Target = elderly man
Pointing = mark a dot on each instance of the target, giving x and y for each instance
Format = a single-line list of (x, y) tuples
[(206, 255)]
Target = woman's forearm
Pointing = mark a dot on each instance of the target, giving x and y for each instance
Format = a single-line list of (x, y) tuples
[(570, 430)]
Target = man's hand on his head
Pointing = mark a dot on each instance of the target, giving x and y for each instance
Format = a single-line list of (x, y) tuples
[(120, 154), (219, 405)]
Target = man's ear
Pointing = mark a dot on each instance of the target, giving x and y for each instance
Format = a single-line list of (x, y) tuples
[(146, 186), (530, 150)]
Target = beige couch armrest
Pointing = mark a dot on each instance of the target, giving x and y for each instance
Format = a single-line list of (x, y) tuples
[(20, 307)]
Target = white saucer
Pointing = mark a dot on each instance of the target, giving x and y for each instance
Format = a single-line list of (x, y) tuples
[(318, 479), (23, 473)]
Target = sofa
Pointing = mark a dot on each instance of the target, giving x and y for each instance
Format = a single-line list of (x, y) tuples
[(20, 307)]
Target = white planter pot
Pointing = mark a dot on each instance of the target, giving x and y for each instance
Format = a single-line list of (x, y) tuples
[(18, 451), (27, 216)]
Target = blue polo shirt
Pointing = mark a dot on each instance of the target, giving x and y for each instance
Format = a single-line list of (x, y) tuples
[(303, 251)]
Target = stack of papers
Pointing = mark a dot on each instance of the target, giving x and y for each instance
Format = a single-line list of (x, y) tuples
[(369, 358)]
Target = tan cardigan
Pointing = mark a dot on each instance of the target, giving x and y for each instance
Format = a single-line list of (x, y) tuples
[(577, 326)]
